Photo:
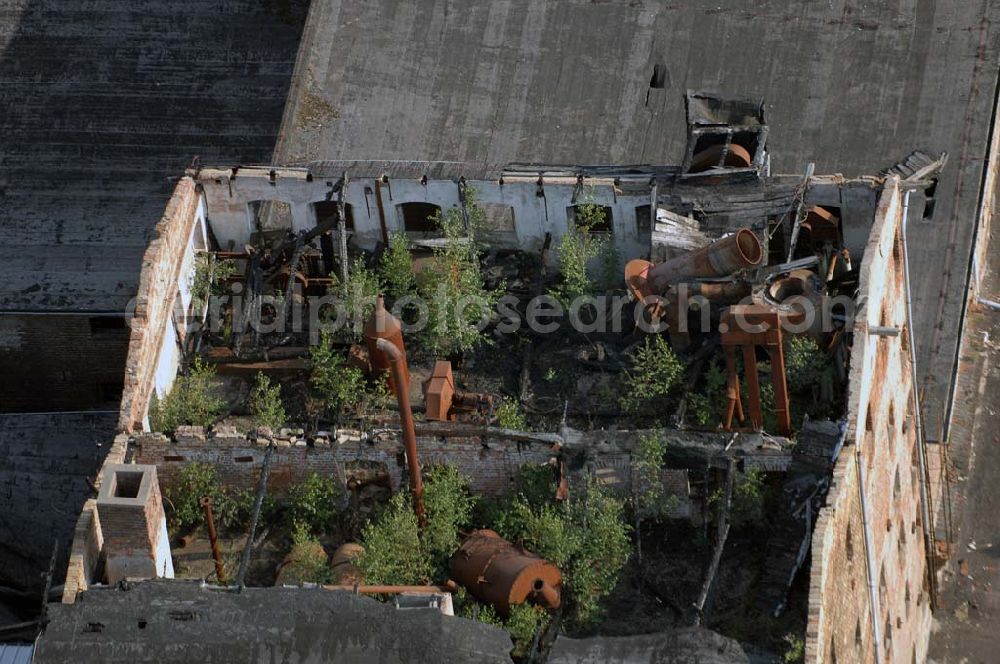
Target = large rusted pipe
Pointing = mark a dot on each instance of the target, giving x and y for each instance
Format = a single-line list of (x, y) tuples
[(397, 362), (723, 257), (206, 506)]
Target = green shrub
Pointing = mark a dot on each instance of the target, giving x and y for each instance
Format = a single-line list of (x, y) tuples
[(396, 266), (509, 416), (307, 562), (183, 499), (393, 553), (647, 464), (577, 247), (656, 371), (806, 365), (337, 384), (210, 275), (747, 506), (449, 509), (265, 404), (314, 504), (707, 406), (190, 401), (588, 540), (536, 484), (452, 285), (522, 623), (796, 650)]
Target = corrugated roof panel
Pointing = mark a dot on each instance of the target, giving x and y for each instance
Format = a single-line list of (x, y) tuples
[(16, 654)]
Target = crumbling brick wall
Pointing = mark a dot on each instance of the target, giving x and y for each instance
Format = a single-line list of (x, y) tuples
[(155, 301), (85, 556), (491, 466), (879, 461)]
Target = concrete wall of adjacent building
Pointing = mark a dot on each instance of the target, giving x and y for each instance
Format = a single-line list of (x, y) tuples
[(879, 462), (61, 362), (229, 197), (162, 303)]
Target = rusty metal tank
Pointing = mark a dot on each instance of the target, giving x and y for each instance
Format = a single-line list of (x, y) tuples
[(383, 325), (343, 571), (503, 575), (735, 252)]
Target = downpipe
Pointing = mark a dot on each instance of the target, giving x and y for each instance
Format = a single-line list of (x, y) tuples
[(925, 500)]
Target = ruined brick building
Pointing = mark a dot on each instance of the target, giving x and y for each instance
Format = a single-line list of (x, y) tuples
[(402, 121)]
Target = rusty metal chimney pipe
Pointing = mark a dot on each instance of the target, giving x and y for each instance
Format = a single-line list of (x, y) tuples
[(397, 363), (734, 252)]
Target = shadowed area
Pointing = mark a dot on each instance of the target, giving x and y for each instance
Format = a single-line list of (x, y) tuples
[(102, 104)]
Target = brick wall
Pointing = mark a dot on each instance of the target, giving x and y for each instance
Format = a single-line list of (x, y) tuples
[(881, 439), (491, 467), (155, 300), (61, 362), (86, 553)]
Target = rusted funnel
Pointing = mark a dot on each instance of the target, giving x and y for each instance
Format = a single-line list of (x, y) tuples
[(498, 573), (383, 325), (734, 252)]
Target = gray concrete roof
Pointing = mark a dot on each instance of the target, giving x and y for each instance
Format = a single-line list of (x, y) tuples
[(47, 462), (468, 88), (179, 621), (100, 105)]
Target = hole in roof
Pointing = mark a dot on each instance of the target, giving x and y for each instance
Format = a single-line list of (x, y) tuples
[(659, 78)]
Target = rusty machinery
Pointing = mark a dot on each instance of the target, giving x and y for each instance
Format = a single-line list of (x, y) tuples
[(503, 575), (443, 403), (655, 285)]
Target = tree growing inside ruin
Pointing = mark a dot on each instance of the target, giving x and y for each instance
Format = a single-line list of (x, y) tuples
[(191, 401), (265, 404), (655, 373), (396, 266), (458, 302), (334, 382)]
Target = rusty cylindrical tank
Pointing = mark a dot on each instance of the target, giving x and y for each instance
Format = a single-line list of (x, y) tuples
[(383, 325), (498, 573), (737, 251), (343, 571)]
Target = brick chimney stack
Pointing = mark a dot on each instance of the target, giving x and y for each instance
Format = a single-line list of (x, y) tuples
[(130, 512)]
